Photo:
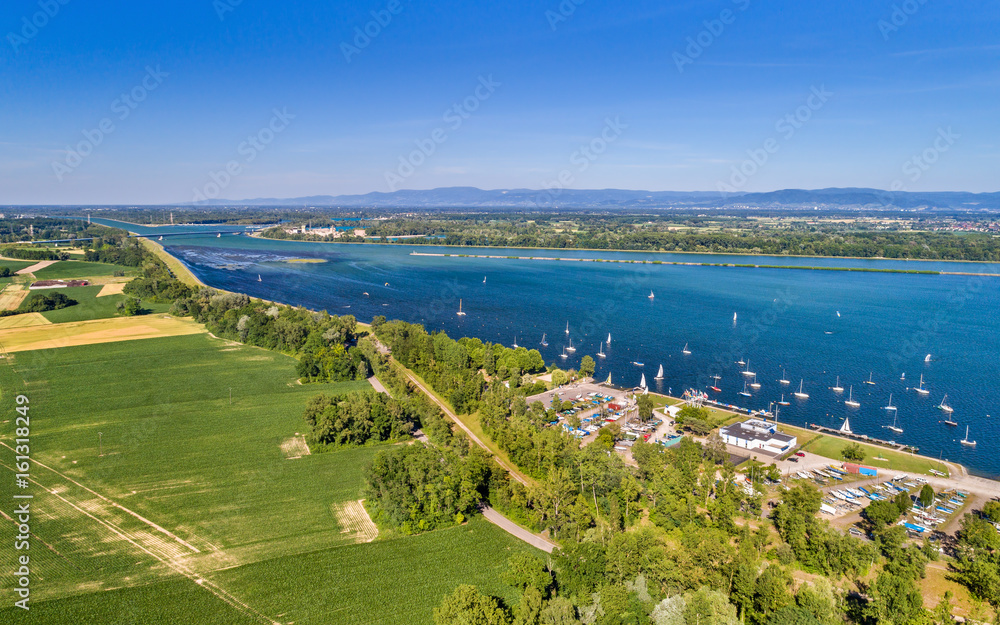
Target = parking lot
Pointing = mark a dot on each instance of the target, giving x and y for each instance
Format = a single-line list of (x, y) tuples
[(588, 399)]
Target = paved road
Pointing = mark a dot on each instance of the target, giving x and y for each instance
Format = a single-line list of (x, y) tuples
[(517, 531), (377, 385)]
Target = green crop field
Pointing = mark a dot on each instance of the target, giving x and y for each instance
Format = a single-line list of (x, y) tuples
[(147, 479), (72, 269), (175, 451), (89, 306), (391, 581), (174, 601), (16, 265)]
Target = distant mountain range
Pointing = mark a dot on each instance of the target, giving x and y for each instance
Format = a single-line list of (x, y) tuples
[(471, 197)]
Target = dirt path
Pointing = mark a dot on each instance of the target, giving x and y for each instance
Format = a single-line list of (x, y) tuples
[(517, 531), (451, 415), (37, 266)]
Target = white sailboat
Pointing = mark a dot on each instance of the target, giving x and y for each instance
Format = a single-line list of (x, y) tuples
[(850, 400), (258, 278), (944, 404), (571, 349), (838, 388), (748, 372), (893, 427), (609, 338), (869, 380), (659, 374), (734, 317), (755, 384), (890, 406), (484, 279), (927, 358), (651, 296), (515, 346), (965, 441), (563, 355), (460, 313), (567, 328), (600, 353), (745, 392), (642, 383), (920, 389), (686, 350), (784, 377), (800, 394), (846, 427), (544, 342)]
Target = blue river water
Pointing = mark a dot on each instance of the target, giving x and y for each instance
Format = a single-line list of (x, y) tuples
[(808, 326)]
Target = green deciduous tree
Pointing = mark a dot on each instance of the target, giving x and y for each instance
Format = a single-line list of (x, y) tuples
[(853, 452), (467, 606)]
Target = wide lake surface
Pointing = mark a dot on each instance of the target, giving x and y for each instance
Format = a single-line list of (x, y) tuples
[(803, 325)]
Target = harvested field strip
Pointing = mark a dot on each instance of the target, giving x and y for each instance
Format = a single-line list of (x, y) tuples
[(295, 447), (354, 521), (36, 267), (24, 320), (12, 296), (96, 331), (114, 288)]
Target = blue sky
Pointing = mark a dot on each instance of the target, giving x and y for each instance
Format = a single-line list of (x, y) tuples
[(257, 98)]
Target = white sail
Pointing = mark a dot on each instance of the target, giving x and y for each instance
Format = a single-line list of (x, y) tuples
[(659, 374), (609, 338), (846, 428), (643, 382)]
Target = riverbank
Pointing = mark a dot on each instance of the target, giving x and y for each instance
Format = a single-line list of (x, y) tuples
[(178, 268), (259, 234), (692, 264)]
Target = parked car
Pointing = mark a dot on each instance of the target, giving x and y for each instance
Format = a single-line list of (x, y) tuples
[(800, 454), (794, 459)]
